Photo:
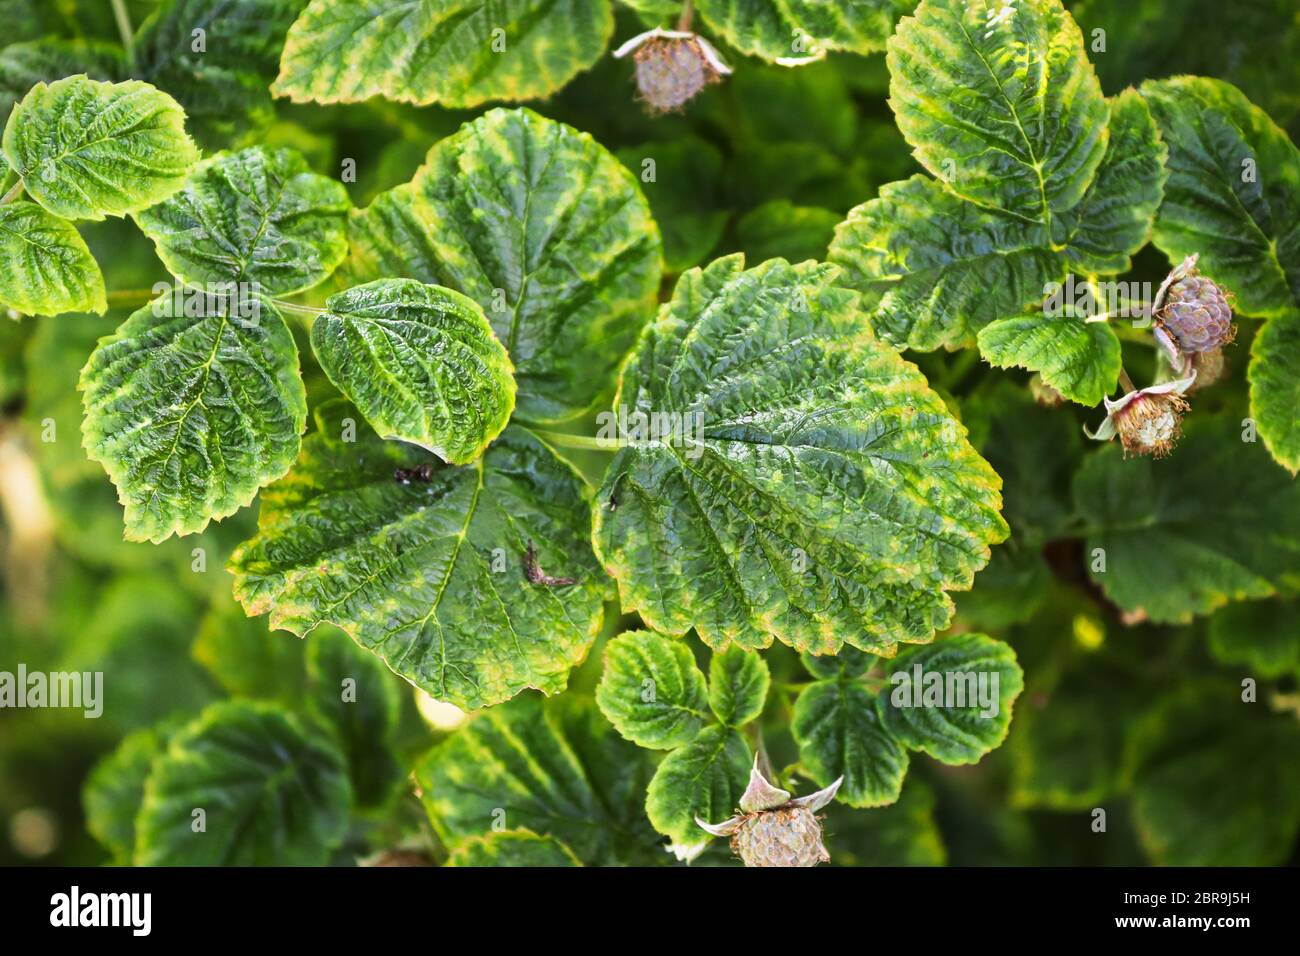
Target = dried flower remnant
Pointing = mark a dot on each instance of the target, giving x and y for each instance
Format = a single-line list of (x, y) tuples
[(672, 67), (772, 829), (1148, 421)]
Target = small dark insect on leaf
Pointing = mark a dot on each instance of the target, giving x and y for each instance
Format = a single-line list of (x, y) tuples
[(535, 575), (421, 473), (612, 502)]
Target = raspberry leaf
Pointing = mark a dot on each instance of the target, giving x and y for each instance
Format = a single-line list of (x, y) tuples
[(796, 30), (273, 793), (191, 411), (86, 149), (113, 790), (23, 65), (354, 695), (651, 690), (1274, 374), (1233, 195), (420, 362), (933, 267), (47, 267), (1114, 219), (999, 100), (258, 216), (1079, 359), (840, 733), (705, 779), (426, 564), (554, 767), (827, 496), (1186, 536), (566, 265), (440, 51), (1261, 635), (513, 848), (952, 699), (223, 84), (1178, 759), (738, 684)]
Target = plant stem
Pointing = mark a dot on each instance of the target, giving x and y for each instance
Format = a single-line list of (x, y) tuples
[(1126, 381), (688, 15), (296, 307), (13, 193), (124, 28), (582, 442)]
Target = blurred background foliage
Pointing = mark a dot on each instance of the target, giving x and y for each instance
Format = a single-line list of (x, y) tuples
[(1118, 713)]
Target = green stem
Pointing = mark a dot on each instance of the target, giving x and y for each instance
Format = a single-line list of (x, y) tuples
[(582, 442), (296, 307), (1126, 381), (123, 19), (13, 193)]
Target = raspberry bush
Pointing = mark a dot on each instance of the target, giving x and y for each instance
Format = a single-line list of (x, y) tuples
[(544, 434)]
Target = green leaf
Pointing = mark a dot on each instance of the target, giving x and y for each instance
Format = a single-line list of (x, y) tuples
[(1259, 634), (1233, 195), (191, 414), (840, 733), (1068, 741), (86, 149), (430, 572), (1000, 101), (440, 51), (113, 791), (818, 493), (23, 65), (934, 268), (272, 794), (1187, 535), (545, 230), (775, 30), (246, 658), (47, 268), (513, 848), (420, 362), (258, 216), (1274, 374), (782, 229), (952, 699), (1079, 359), (847, 663), (684, 187), (1010, 589), (555, 767), (703, 779), (738, 684), (651, 690), (223, 86), (1181, 757), (1115, 217), (354, 695)]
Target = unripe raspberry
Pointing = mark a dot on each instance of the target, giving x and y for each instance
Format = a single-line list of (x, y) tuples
[(672, 66), (1192, 314), (772, 829), (790, 836)]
